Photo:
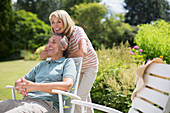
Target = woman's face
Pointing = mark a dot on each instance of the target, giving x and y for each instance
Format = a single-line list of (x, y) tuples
[(57, 25)]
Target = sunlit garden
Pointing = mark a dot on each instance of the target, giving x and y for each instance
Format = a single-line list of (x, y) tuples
[(121, 45), (115, 80)]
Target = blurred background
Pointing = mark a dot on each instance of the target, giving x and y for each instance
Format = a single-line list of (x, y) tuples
[(24, 24)]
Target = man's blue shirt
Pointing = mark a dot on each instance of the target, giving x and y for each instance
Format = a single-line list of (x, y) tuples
[(51, 71)]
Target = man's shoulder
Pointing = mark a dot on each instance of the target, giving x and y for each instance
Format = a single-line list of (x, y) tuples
[(42, 62), (70, 60)]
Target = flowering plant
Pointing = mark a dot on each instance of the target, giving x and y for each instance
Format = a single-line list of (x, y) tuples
[(137, 54)]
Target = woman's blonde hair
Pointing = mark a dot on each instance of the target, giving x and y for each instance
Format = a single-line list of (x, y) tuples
[(65, 17)]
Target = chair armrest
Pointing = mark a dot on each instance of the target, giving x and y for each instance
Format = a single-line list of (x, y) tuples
[(12, 89), (73, 96), (60, 93), (95, 106)]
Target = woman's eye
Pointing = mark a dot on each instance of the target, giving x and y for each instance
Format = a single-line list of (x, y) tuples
[(59, 21), (52, 22)]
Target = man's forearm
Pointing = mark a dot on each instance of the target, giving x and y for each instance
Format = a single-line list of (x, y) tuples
[(65, 85), (48, 87)]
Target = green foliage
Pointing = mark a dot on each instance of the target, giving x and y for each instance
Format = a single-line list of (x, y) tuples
[(28, 55), (154, 39), (42, 8), (38, 52), (145, 11), (117, 31), (36, 6), (102, 29), (138, 56), (29, 32), (67, 4), (115, 78), (89, 17), (6, 22)]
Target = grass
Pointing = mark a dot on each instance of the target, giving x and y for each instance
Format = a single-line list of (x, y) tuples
[(10, 71)]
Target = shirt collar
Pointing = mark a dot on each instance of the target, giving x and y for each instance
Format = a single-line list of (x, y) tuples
[(56, 61)]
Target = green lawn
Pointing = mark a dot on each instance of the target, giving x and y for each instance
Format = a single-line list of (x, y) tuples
[(10, 71)]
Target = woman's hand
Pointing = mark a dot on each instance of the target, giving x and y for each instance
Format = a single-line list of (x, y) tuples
[(44, 53)]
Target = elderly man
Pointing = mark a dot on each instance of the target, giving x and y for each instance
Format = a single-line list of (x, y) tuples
[(36, 86)]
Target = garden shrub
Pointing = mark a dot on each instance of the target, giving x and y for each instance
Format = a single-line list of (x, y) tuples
[(154, 39), (115, 79), (138, 55), (28, 55), (38, 52)]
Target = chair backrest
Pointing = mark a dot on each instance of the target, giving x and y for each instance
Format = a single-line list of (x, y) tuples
[(78, 63), (154, 97), (67, 104)]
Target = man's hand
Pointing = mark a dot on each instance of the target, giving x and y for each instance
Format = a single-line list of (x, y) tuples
[(24, 86), (28, 85), (18, 86)]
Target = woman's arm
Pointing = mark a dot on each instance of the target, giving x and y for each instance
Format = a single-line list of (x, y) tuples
[(82, 49)]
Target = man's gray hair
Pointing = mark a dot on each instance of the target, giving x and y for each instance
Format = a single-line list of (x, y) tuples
[(64, 40)]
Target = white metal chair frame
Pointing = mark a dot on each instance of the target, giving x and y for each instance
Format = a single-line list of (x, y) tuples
[(78, 63), (95, 106)]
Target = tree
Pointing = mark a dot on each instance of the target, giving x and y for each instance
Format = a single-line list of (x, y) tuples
[(6, 19), (89, 16), (29, 32), (67, 4), (117, 31), (145, 11), (43, 8), (100, 28)]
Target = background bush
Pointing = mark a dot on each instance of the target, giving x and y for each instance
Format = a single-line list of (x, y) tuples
[(115, 79), (154, 39)]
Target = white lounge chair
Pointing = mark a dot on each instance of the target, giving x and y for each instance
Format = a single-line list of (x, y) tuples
[(154, 97)]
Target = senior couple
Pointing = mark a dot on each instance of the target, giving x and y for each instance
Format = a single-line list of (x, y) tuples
[(59, 73)]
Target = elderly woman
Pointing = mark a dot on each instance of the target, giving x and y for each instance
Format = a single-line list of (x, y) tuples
[(79, 46)]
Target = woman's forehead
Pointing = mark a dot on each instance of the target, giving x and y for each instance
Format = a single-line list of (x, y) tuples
[(54, 17)]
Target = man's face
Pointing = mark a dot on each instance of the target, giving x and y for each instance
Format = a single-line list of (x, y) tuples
[(54, 46)]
